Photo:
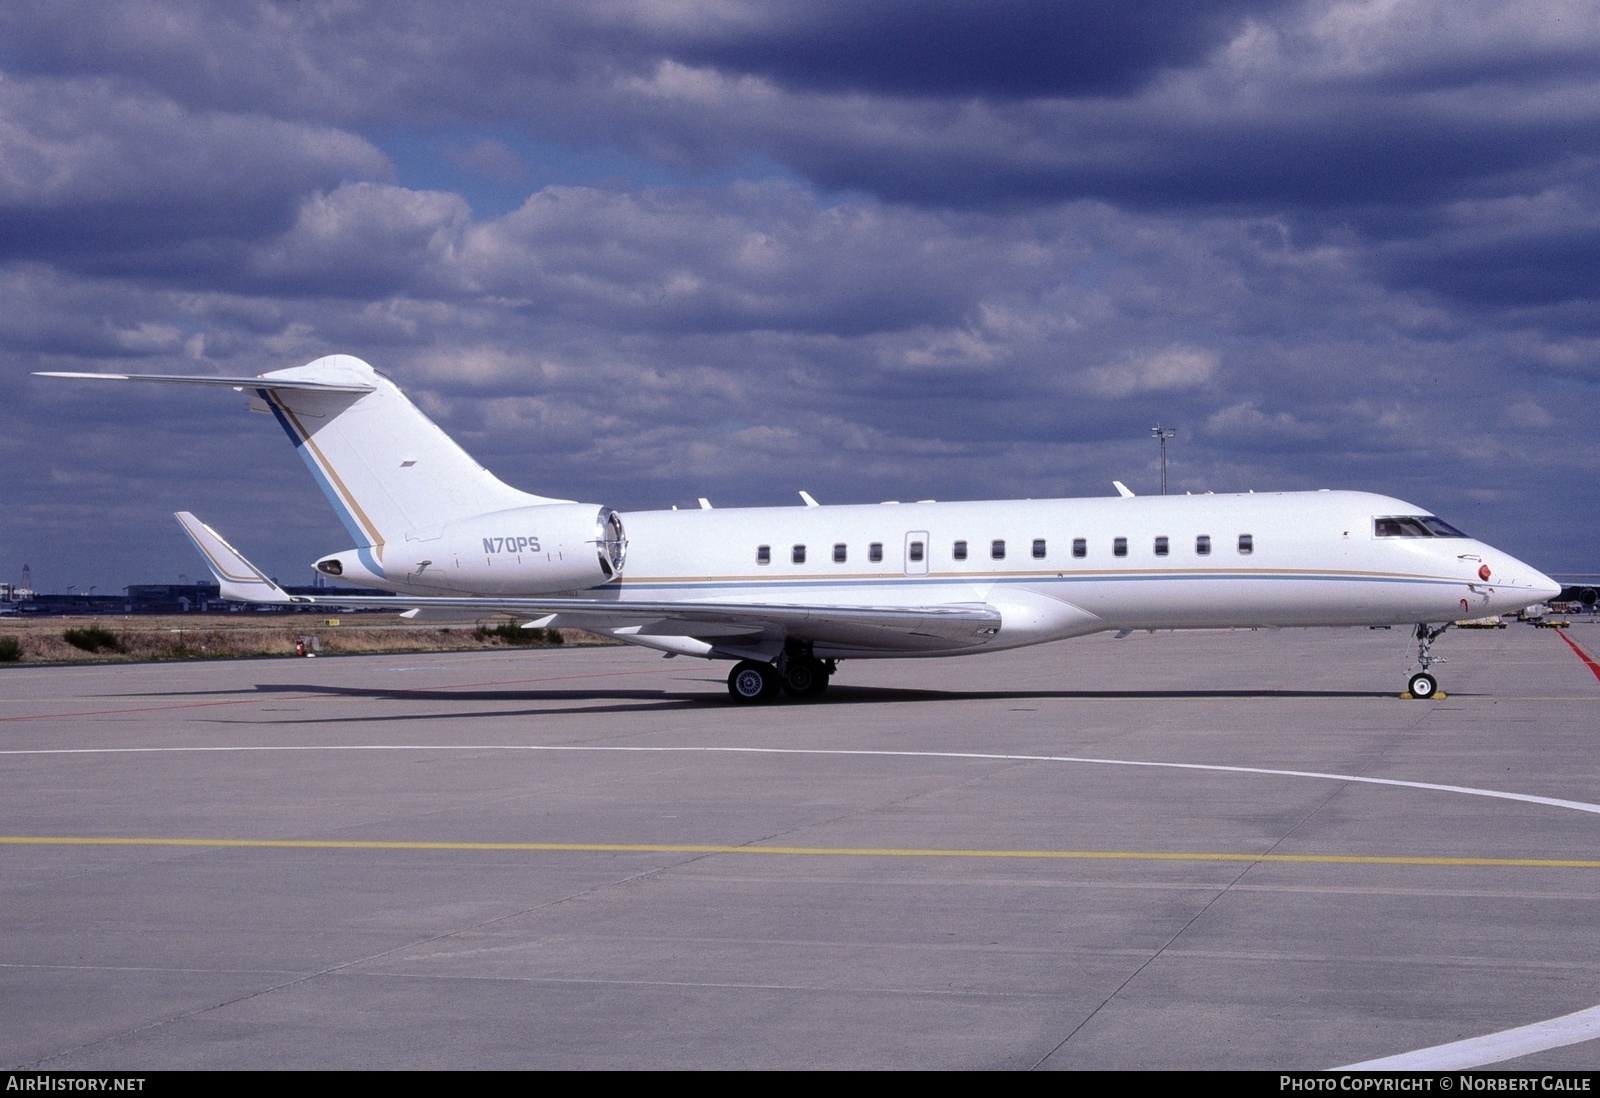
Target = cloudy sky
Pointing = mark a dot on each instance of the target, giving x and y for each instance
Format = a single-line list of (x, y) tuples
[(640, 251)]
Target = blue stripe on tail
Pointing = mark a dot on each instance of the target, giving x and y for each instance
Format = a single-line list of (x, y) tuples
[(346, 517)]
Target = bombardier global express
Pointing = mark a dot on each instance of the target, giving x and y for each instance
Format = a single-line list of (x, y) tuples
[(788, 592)]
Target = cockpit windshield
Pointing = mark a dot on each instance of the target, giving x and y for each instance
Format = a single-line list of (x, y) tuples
[(1413, 526)]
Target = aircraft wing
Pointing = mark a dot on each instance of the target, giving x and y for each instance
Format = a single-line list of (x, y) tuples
[(898, 628)]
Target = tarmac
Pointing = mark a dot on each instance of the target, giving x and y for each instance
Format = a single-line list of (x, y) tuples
[(1195, 850)]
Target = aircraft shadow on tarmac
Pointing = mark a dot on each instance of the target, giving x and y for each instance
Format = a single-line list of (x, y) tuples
[(624, 701)]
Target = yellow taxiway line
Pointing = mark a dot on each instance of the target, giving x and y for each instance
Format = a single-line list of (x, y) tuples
[(804, 851)]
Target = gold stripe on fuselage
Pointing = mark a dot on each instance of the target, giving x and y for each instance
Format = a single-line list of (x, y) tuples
[(333, 477), (980, 577)]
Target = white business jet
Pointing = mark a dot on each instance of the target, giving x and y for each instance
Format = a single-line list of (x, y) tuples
[(788, 592)]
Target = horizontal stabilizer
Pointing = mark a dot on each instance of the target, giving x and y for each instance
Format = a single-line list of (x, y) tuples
[(391, 474), (238, 578), (240, 383)]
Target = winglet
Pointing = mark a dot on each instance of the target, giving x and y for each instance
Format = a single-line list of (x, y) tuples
[(809, 501), (1123, 490), (238, 578)]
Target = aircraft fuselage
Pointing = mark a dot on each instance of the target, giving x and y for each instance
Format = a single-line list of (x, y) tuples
[(1055, 568)]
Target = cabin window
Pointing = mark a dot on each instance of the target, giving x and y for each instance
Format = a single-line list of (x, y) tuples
[(1247, 544), (1202, 545), (997, 549), (1080, 547), (763, 554), (914, 551), (959, 550), (799, 555), (840, 554), (1038, 548), (1119, 547), (875, 552)]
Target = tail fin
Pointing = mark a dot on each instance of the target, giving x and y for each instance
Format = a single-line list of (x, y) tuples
[(391, 474), (389, 471), (238, 578)]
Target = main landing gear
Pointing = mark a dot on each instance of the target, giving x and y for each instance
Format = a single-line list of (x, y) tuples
[(800, 676), (1425, 684)]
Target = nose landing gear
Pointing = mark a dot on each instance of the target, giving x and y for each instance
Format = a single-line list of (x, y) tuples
[(1425, 684)]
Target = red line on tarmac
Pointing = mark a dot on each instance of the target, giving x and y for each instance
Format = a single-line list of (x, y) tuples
[(312, 697), (156, 708), (1582, 655)]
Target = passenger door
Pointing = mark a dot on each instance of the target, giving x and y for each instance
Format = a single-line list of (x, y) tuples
[(917, 553)]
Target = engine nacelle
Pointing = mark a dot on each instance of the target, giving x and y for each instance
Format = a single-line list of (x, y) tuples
[(544, 549)]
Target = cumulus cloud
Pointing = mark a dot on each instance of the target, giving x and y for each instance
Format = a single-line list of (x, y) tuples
[(1251, 103), (1169, 369), (1245, 420), (90, 172), (954, 47), (363, 240), (756, 255)]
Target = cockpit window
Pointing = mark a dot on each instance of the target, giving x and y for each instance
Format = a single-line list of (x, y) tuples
[(1441, 528), (1413, 526)]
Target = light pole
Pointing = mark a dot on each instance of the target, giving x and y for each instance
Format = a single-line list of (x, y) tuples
[(1162, 434)]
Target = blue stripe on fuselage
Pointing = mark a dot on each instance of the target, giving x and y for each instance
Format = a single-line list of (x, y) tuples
[(1033, 580)]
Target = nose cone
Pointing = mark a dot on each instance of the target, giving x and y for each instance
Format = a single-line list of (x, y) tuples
[(1525, 582), (1512, 585), (1546, 587)]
